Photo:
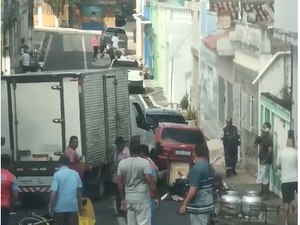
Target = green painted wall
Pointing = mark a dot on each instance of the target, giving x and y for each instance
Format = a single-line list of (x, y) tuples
[(269, 109)]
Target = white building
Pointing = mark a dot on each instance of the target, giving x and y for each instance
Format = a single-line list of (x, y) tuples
[(172, 59), (17, 23), (256, 52), (139, 27), (194, 6), (286, 28)]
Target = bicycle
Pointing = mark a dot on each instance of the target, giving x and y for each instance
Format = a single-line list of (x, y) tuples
[(34, 219)]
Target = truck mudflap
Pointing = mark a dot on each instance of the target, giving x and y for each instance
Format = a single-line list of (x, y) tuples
[(41, 189)]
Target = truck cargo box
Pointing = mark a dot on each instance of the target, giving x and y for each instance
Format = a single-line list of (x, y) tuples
[(45, 109)]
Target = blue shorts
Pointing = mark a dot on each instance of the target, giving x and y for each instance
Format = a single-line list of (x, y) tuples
[(153, 209)]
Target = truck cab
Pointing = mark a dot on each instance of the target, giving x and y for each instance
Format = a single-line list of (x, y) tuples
[(139, 125)]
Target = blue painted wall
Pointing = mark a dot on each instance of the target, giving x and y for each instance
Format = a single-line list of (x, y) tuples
[(147, 44), (207, 19), (147, 12)]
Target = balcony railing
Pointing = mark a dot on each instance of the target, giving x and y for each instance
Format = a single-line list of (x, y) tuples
[(180, 15)]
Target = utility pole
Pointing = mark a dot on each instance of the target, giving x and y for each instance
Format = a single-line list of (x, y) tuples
[(197, 65), (30, 25)]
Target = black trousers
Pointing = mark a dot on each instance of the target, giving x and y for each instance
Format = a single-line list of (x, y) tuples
[(95, 52), (25, 69), (5, 215), (102, 48), (231, 157), (111, 54)]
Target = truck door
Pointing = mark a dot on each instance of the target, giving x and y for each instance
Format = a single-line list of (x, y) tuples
[(146, 134), (37, 131), (37, 118), (5, 126)]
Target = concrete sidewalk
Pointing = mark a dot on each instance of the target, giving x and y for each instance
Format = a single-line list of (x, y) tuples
[(244, 182), (39, 38)]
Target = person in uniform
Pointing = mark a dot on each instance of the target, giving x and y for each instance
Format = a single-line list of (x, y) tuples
[(230, 138)]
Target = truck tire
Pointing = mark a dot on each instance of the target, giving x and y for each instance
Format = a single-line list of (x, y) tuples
[(33, 200)]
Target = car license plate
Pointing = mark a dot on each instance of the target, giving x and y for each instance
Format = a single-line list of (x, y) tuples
[(182, 152)]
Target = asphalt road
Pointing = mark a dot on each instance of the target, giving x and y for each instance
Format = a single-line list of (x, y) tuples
[(74, 51)]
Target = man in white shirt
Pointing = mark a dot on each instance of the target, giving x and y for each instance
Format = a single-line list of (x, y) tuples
[(287, 162), (115, 41), (135, 174), (25, 61)]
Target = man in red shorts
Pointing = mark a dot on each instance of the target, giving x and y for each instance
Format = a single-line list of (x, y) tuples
[(9, 189)]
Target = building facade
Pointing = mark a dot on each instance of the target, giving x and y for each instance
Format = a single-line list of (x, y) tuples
[(286, 28), (277, 112), (216, 90), (17, 24), (173, 29), (256, 51)]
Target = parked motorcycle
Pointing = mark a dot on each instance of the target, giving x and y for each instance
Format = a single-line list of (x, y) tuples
[(35, 62)]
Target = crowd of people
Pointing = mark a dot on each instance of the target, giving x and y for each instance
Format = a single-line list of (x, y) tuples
[(286, 161), (135, 180), (105, 47)]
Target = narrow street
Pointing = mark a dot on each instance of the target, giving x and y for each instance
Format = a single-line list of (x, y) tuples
[(74, 52), (71, 52)]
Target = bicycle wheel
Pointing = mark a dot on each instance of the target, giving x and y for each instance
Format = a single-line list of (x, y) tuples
[(32, 220)]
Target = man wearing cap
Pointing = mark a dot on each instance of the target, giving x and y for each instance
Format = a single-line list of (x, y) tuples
[(122, 152), (230, 138), (267, 125), (265, 160)]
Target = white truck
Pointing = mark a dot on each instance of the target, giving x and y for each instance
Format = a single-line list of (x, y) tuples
[(40, 111)]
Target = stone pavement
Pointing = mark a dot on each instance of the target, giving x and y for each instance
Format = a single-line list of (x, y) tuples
[(244, 182)]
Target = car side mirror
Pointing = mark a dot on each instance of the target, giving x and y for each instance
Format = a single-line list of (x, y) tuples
[(149, 126), (2, 141)]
